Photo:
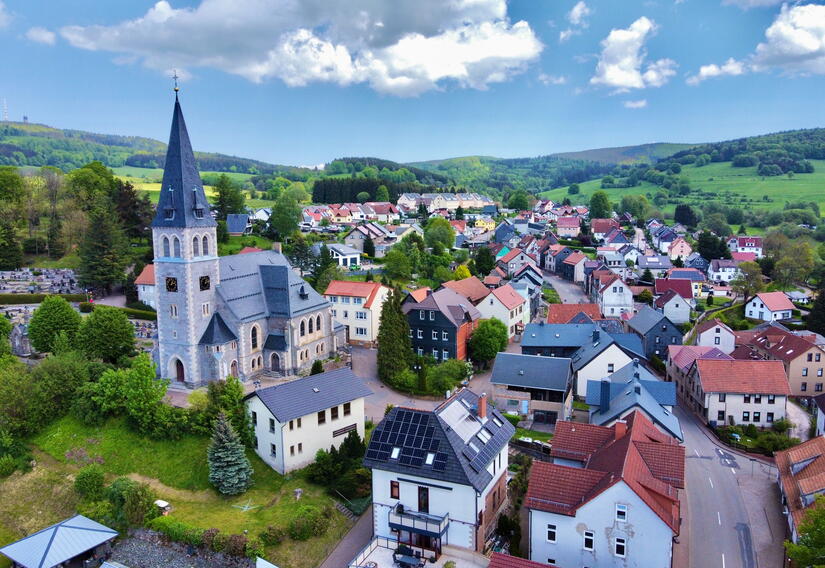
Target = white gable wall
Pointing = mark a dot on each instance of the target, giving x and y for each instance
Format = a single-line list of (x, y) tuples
[(718, 337), (599, 367)]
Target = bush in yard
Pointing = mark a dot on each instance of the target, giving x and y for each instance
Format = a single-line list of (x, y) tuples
[(209, 536), (317, 367), (52, 316), (254, 548), (307, 522), (751, 431), (7, 465), (488, 339), (139, 505), (219, 542), (177, 531), (236, 545), (229, 469), (86, 307), (89, 482), (273, 535), (514, 420), (782, 425)]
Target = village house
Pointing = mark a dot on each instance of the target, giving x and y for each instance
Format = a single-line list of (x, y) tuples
[(439, 476), (293, 420), (539, 388), (801, 480), (769, 306), (572, 268), (507, 306), (681, 286), (615, 297), (238, 224), (514, 260), (656, 331), (563, 313), (697, 278), (745, 244), (657, 264), (441, 323), (359, 234), (662, 238), (680, 364), (714, 333), (357, 305), (568, 227), (345, 255), (723, 271), (611, 497), (673, 306), (471, 288), (599, 228), (383, 211), (145, 285), (804, 360), (679, 248)]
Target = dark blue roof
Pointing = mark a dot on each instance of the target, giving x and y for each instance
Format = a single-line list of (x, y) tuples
[(532, 371), (217, 332), (236, 222), (275, 341), (634, 395), (664, 392), (489, 209), (182, 201), (645, 320), (557, 334)]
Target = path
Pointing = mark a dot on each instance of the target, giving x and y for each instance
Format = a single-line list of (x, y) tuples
[(358, 537), (569, 292), (801, 421)]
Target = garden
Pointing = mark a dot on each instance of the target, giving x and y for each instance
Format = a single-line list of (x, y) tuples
[(752, 439)]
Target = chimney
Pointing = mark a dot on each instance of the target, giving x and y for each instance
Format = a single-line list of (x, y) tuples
[(595, 334), (276, 246), (636, 362), (482, 406), (620, 428), (604, 395)]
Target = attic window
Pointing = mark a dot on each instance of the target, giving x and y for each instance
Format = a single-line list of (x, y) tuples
[(484, 435), (198, 213), (497, 422), (316, 389), (429, 459), (169, 213), (395, 453)]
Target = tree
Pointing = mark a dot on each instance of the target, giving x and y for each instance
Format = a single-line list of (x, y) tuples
[(397, 265), (394, 349), (679, 263), (229, 198), (461, 272), (816, 317), (518, 201), (284, 218), (795, 265), (685, 215), (135, 212), (440, 231), (324, 278), (647, 276), (104, 252), (133, 390), (322, 264), (636, 205), (573, 189), (221, 232), (485, 261), (488, 339), (300, 255), (54, 239), (5, 332), (362, 197), (11, 255), (317, 367), (52, 316), (717, 223), (459, 213), (809, 549), (749, 281), (600, 207), (646, 297), (12, 190), (229, 469), (106, 334), (369, 247), (382, 193), (711, 247)]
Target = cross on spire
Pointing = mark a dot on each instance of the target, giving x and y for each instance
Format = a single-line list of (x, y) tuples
[(175, 77)]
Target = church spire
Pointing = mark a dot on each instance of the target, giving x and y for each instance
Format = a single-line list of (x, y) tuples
[(182, 201)]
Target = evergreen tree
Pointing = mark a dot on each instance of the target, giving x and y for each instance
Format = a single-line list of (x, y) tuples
[(647, 276), (221, 232), (135, 213), (369, 247), (50, 318), (11, 255), (422, 211), (679, 263), (104, 252), (369, 277), (301, 256), (317, 367), (816, 317), (394, 349), (685, 215), (229, 469), (323, 263), (484, 261), (230, 199), (711, 247), (382, 193), (459, 213)]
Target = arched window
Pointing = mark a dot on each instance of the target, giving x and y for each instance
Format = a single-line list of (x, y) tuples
[(318, 323), (255, 337), (310, 325), (260, 362), (177, 247), (196, 246), (303, 328), (253, 364), (165, 246), (205, 246)]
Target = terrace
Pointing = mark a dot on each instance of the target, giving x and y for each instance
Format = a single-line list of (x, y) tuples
[(379, 554)]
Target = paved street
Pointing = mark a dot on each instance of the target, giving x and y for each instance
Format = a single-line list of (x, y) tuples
[(569, 292), (731, 505)]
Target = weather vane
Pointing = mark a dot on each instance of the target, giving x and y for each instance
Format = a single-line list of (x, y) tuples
[(175, 77)]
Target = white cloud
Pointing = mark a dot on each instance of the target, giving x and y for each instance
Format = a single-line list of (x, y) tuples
[(577, 16), (794, 44), (552, 79), (746, 4), (41, 35), (5, 17), (642, 103), (623, 56), (404, 47)]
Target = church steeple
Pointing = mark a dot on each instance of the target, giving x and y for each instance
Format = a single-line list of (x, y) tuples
[(182, 201)]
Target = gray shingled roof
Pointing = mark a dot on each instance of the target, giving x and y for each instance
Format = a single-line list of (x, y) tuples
[(635, 395), (236, 222), (664, 392), (181, 190), (312, 394), (557, 334), (532, 371), (645, 320), (217, 332), (58, 543), (449, 302)]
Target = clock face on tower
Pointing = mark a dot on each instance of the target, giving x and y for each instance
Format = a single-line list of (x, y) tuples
[(204, 281), (171, 284)]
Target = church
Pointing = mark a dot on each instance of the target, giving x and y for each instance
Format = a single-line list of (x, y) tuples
[(241, 315)]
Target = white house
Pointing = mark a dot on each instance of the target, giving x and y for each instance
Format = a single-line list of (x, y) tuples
[(345, 255), (616, 503), (722, 271), (714, 333), (439, 476), (145, 284), (508, 306), (514, 260), (600, 359), (293, 420), (673, 306), (357, 305), (615, 298), (769, 306), (744, 243)]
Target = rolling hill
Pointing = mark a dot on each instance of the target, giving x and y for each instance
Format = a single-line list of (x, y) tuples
[(649, 153)]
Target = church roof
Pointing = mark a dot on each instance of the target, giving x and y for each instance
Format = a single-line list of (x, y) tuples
[(182, 201), (217, 332)]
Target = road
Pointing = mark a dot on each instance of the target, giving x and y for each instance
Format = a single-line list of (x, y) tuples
[(727, 505), (569, 292)]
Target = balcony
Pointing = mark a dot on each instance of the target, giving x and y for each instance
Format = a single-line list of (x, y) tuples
[(420, 523)]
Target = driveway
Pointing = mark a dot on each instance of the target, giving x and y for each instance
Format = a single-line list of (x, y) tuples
[(801, 421), (569, 292)]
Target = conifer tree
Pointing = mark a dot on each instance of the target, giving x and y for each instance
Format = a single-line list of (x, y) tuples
[(229, 470), (104, 252), (369, 247), (394, 350), (816, 317), (11, 255)]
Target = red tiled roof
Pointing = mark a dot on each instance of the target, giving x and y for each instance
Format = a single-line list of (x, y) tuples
[(368, 290), (743, 376), (750, 242), (491, 280), (510, 255), (743, 256), (782, 345), (459, 225), (808, 480), (683, 356), (681, 286), (507, 296), (471, 288), (568, 222), (420, 293), (247, 250), (146, 276), (608, 282), (578, 441), (636, 290), (563, 313), (602, 226), (775, 301), (575, 258), (499, 560)]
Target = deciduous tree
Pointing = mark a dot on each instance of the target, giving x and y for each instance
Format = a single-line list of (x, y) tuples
[(600, 207), (488, 339), (439, 231), (749, 281), (50, 318), (809, 550), (485, 261), (106, 334)]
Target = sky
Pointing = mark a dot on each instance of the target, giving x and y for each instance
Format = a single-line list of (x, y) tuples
[(302, 82)]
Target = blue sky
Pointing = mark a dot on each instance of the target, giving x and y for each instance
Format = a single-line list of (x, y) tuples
[(304, 81)]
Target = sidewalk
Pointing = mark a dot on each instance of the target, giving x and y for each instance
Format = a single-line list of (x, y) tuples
[(764, 513), (358, 537)]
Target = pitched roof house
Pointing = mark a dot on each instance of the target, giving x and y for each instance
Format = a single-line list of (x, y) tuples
[(673, 306), (801, 479), (714, 333), (769, 306), (804, 360), (471, 288), (656, 331), (441, 323), (507, 306), (568, 227), (563, 313), (540, 388), (357, 306)]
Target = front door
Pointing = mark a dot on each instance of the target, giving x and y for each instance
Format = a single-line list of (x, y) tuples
[(179, 372), (423, 500), (275, 362)]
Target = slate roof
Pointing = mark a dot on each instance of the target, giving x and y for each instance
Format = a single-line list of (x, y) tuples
[(654, 262), (217, 332), (563, 313), (692, 274), (276, 340), (262, 284), (556, 335), (628, 342), (450, 432), (236, 223), (58, 543), (453, 305), (311, 394), (743, 376), (532, 371), (645, 320), (809, 479), (664, 392), (634, 394), (181, 188), (471, 288)]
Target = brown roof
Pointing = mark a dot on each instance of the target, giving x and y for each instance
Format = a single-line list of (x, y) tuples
[(491, 280), (809, 478), (420, 293), (499, 560), (775, 301), (563, 313), (782, 345), (575, 258), (247, 250), (603, 225), (510, 255), (368, 290), (507, 296), (568, 222), (471, 288), (709, 324), (662, 300), (681, 286), (743, 376), (146, 276)]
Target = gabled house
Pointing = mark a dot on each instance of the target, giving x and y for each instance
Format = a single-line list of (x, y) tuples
[(508, 306), (383, 211), (504, 232), (359, 234), (804, 360), (599, 228), (568, 227), (540, 388), (696, 277), (769, 306), (514, 260), (357, 305), (679, 248), (441, 323), (714, 333), (673, 306), (610, 498), (744, 243), (238, 224), (145, 284), (616, 237), (439, 476), (662, 238), (723, 271), (657, 264), (681, 286), (293, 420), (656, 331), (572, 268), (558, 254), (563, 313), (471, 288), (615, 297), (801, 480), (602, 355), (680, 364), (345, 255), (697, 261)]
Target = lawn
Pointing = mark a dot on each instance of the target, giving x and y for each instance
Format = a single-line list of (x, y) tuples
[(178, 472), (534, 434), (43, 261)]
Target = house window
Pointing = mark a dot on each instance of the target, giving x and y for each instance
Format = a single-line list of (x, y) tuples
[(589, 539), (292, 425), (254, 418), (717, 340), (771, 399), (357, 300), (658, 339), (420, 352), (769, 417), (271, 424), (747, 399), (435, 335), (818, 387), (435, 353), (419, 334), (804, 387), (333, 413), (722, 396), (610, 367), (432, 316), (300, 447), (273, 450), (810, 357), (746, 416), (322, 417), (757, 416), (551, 533), (395, 490), (621, 512), (347, 409), (757, 399), (817, 357), (421, 314), (445, 355), (292, 450), (360, 315), (804, 371), (621, 547), (444, 336), (720, 415)]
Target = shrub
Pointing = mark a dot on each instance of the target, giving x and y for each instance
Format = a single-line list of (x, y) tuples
[(6, 299), (782, 425), (512, 419), (219, 542), (139, 505), (7, 465), (273, 535), (208, 537), (751, 431), (86, 307), (254, 548), (89, 482), (308, 521), (236, 545), (140, 306), (177, 531)]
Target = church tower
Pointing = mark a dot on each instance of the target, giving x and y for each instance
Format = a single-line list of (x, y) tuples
[(186, 260)]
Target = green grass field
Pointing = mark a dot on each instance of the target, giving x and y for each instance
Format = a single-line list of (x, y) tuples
[(156, 174)]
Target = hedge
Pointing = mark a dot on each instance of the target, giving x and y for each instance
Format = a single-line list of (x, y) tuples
[(37, 298), (86, 307), (232, 544)]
